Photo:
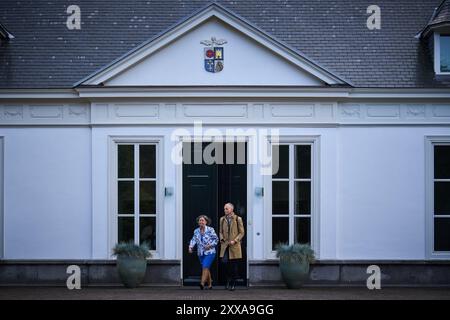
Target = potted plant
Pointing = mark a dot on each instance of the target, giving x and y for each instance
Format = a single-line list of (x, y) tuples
[(131, 262), (294, 263)]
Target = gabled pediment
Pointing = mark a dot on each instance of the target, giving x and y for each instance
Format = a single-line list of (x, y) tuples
[(177, 58)]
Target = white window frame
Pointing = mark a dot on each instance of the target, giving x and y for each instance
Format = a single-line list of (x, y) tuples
[(314, 141), (113, 192), (437, 55), (430, 142)]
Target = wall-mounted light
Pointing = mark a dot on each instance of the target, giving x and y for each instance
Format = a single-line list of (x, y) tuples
[(259, 191), (168, 191)]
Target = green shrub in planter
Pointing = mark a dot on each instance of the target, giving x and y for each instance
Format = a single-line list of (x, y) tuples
[(131, 262), (294, 263)]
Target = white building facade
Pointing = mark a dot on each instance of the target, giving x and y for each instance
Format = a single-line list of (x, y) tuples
[(364, 173)]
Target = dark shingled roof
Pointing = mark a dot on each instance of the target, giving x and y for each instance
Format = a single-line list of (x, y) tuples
[(45, 54)]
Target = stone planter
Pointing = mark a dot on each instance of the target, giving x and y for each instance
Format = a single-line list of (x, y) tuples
[(294, 273), (131, 270)]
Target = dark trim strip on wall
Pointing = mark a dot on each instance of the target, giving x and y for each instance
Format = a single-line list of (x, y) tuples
[(261, 273)]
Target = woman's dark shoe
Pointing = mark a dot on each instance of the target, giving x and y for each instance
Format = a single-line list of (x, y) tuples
[(201, 286), (209, 288)]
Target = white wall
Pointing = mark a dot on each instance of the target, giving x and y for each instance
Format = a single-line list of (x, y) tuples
[(47, 203), (172, 218), (382, 192), (2, 249), (372, 192)]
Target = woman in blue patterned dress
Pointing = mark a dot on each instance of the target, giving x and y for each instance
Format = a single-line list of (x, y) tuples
[(206, 240)]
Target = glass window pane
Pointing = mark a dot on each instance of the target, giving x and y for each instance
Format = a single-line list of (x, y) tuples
[(445, 53), (302, 230), (302, 197), (126, 229), (283, 161), (147, 161), (280, 197), (280, 231), (442, 234), (441, 198), (147, 197), (147, 231), (125, 197), (442, 162), (302, 162), (125, 161)]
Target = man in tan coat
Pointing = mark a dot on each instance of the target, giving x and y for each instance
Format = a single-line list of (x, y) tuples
[(231, 232)]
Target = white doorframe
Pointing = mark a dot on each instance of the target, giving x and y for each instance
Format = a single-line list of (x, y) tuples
[(179, 200)]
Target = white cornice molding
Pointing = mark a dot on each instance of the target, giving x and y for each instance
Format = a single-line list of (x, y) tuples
[(210, 92), (261, 92), (38, 94), (85, 94)]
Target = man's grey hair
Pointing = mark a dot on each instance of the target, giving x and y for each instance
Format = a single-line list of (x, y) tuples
[(230, 204)]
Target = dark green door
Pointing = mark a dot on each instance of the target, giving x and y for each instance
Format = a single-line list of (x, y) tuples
[(199, 197), (206, 188)]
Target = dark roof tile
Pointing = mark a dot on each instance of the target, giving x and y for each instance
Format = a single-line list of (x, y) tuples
[(45, 54)]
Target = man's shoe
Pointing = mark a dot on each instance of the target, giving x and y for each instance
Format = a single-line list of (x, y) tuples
[(227, 286), (233, 285)]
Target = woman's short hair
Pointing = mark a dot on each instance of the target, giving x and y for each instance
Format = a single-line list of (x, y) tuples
[(207, 219)]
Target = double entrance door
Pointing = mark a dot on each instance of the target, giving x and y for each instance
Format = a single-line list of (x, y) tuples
[(207, 186)]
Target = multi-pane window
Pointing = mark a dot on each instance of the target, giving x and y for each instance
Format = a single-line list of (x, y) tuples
[(441, 216), (291, 194), (136, 193)]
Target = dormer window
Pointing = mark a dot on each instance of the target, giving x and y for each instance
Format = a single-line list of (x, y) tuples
[(442, 53), (439, 26)]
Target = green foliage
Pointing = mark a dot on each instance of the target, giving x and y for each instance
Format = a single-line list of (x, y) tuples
[(296, 252), (130, 249)]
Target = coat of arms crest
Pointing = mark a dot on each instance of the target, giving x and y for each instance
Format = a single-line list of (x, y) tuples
[(213, 54)]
